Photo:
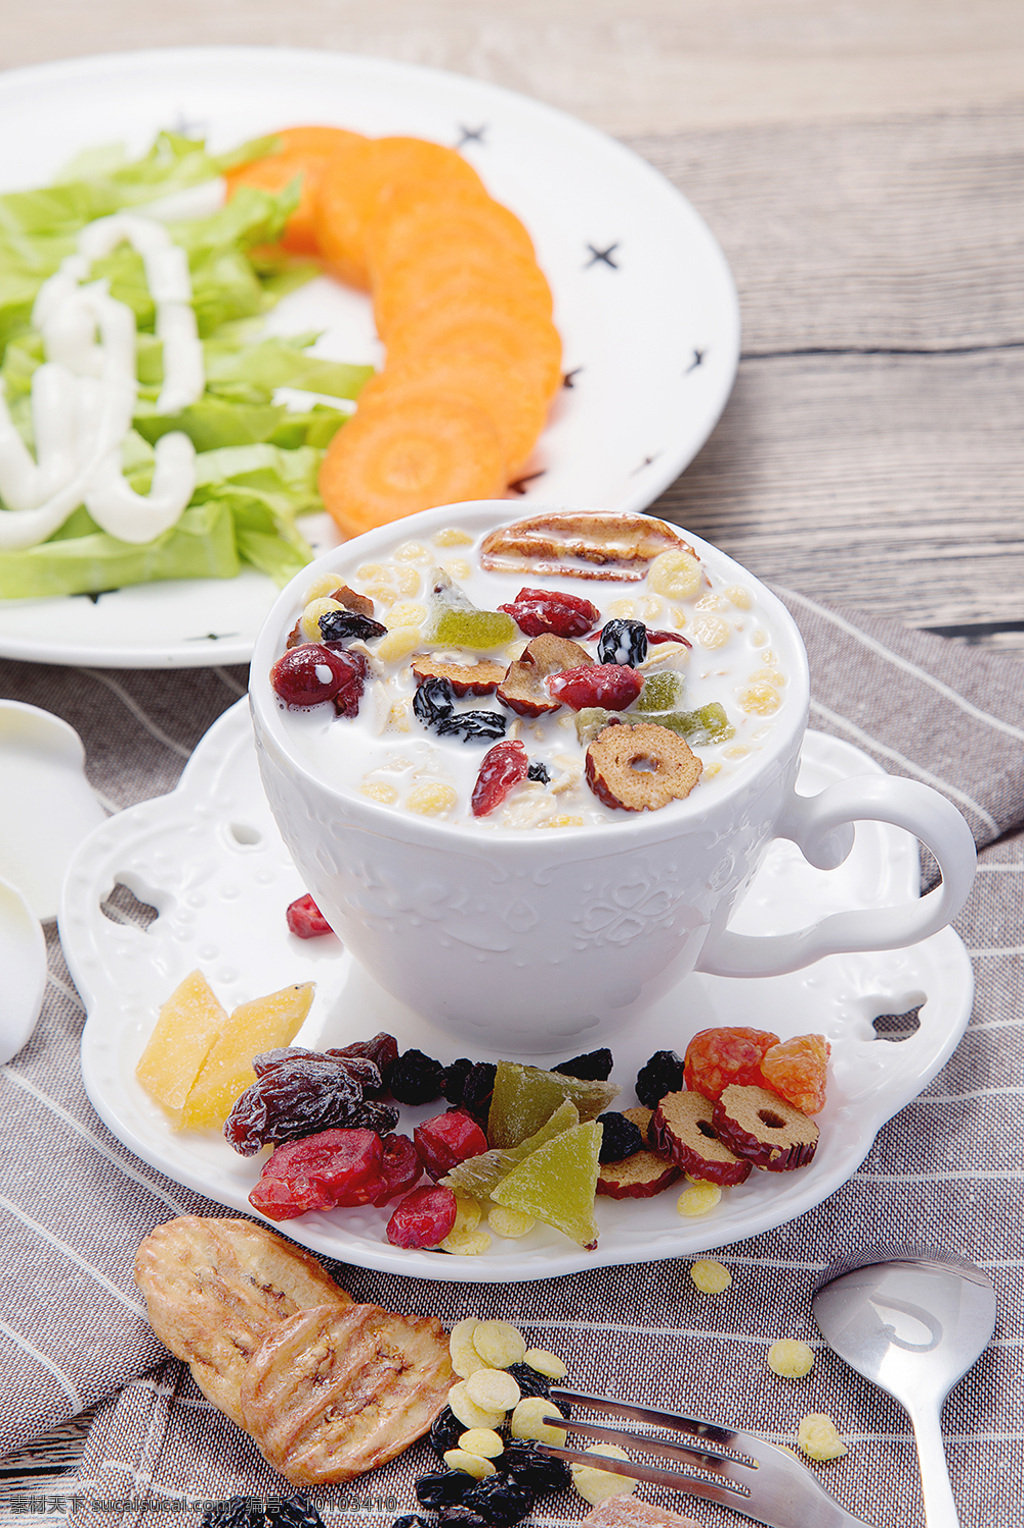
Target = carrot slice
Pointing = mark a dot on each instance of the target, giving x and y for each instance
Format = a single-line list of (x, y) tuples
[(303, 154), (354, 184), (442, 271), (410, 453), (404, 226), (512, 399), (522, 337)]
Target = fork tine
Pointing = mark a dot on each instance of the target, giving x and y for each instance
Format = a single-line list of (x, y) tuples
[(704, 1438), (735, 1469)]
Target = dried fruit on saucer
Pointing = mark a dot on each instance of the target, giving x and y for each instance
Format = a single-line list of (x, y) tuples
[(641, 1174), (764, 1129), (717, 1057), (798, 1071), (683, 1130)]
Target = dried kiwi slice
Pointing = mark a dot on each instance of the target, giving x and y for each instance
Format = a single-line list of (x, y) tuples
[(477, 1176), (525, 1097), (557, 1183)]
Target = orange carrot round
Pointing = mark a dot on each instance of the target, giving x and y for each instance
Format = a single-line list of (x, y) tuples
[(353, 185), (303, 154), (443, 273), (524, 338), (407, 453)]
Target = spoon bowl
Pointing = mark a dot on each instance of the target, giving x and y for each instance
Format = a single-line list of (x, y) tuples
[(911, 1320)]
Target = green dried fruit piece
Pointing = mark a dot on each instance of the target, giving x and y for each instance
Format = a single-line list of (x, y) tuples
[(661, 692), (477, 1176), (525, 1097), (479, 630), (708, 724), (589, 722), (557, 1183)]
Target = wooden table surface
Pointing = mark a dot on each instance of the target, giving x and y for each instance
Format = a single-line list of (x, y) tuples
[(875, 151)]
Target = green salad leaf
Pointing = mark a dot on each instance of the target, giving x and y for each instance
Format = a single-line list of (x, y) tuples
[(257, 459)]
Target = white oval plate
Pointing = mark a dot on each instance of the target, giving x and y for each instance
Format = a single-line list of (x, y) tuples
[(209, 858), (644, 298)]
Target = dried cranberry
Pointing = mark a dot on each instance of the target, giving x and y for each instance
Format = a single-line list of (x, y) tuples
[(311, 673), (538, 610), (331, 1168), (654, 637), (448, 1139), (611, 685), (350, 691), (400, 1166), (423, 1219), (622, 641), (305, 919), (502, 768)]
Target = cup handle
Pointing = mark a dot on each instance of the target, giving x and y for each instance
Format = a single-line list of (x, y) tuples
[(822, 828)]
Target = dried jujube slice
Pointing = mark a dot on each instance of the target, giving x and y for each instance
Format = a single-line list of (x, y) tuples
[(683, 1129), (642, 1174), (764, 1129), (465, 678), (640, 768)]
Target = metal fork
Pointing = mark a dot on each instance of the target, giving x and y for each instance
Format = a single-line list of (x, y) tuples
[(720, 1464)]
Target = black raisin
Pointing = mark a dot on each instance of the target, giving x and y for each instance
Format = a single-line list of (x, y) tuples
[(501, 1499), (343, 626), (662, 1074), (300, 1097), (467, 1517), (445, 1431), (529, 1381), (235, 1512), (360, 1068), (470, 725), (477, 1090), (433, 700), (297, 1513), (381, 1050), (538, 1472), (623, 642), (411, 1520), (619, 1137), (415, 1078), (538, 772), (373, 1115), (442, 1489), (593, 1066), (455, 1079)]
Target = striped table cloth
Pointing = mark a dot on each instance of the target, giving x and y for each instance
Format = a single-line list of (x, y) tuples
[(75, 1204)]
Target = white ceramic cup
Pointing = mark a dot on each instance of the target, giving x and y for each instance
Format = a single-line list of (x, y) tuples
[(505, 937)]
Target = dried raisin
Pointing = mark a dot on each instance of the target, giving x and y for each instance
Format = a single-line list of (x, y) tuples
[(622, 642), (470, 725), (593, 1066), (341, 626), (298, 1097), (415, 1078), (662, 1074)]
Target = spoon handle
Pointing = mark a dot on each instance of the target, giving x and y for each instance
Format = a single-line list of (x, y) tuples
[(939, 1506)]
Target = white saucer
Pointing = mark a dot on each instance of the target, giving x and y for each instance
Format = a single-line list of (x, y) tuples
[(209, 858)]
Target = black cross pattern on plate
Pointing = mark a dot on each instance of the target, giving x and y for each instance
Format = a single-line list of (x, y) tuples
[(569, 380), (520, 485), (698, 358), (645, 463), (602, 256), (470, 134)]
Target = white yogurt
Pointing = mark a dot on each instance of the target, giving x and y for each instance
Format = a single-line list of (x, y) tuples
[(387, 755)]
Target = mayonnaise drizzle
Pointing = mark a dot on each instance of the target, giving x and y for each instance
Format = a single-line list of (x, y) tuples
[(84, 395)]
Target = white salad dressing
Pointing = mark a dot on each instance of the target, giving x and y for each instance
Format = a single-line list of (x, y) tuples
[(84, 395)]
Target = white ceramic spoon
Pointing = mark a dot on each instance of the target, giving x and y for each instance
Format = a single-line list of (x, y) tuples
[(23, 963)]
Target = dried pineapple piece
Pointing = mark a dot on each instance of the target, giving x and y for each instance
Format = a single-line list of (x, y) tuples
[(264, 1024), (186, 1028)]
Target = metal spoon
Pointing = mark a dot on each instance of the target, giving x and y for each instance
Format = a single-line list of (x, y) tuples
[(912, 1320)]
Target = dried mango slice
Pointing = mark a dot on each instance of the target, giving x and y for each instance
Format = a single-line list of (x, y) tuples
[(264, 1024), (187, 1026), (525, 1097), (557, 1184)]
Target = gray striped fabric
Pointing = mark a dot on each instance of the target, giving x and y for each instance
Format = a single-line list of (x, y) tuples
[(74, 1204)]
